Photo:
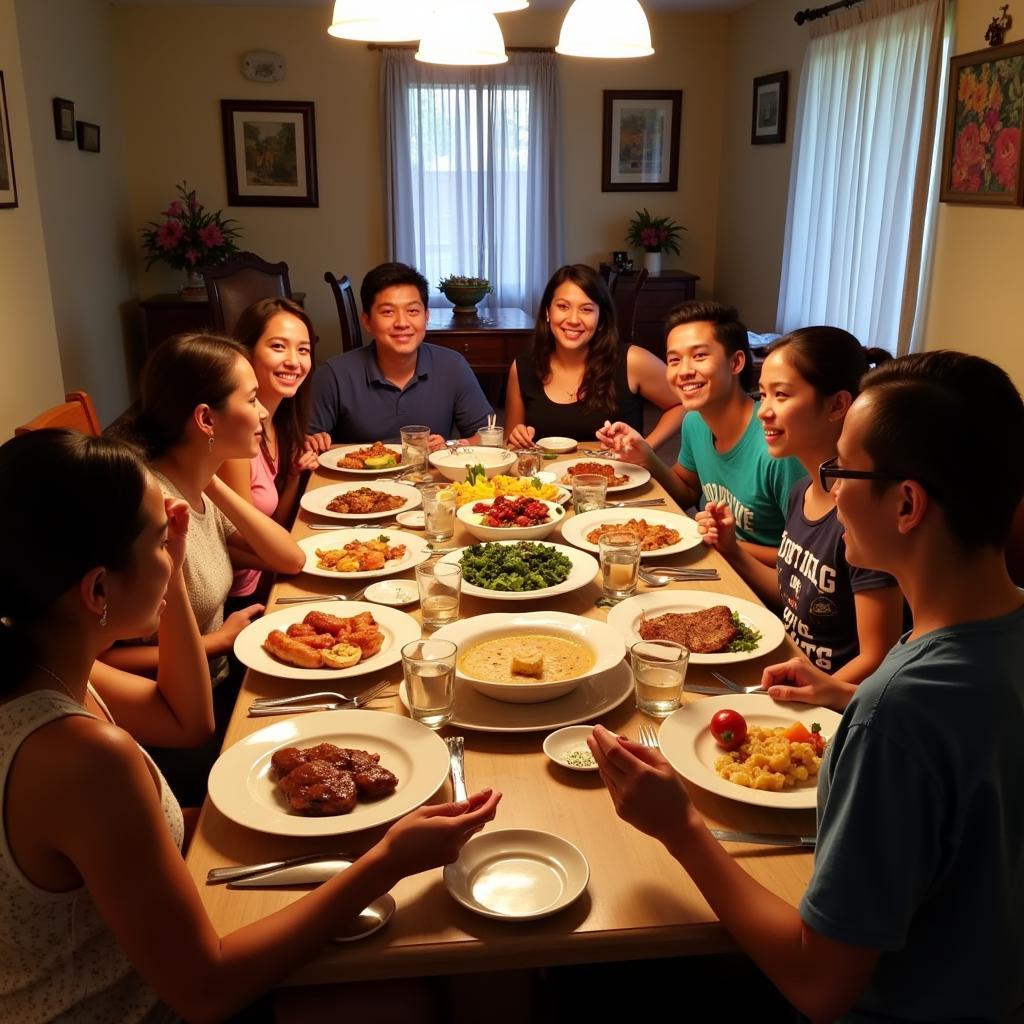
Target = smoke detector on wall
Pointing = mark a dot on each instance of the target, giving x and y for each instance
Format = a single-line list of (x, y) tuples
[(263, 66)]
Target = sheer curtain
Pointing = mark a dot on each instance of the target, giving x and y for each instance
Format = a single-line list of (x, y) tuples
[(472, 166), (862, 158)]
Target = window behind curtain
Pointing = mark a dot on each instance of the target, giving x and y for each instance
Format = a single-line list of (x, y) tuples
[(473, 169)]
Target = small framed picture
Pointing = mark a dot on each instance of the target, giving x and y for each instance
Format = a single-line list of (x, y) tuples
[(88, 136), (270, 152), (641, 140), (64, 119), (8, 190), (768, 118)]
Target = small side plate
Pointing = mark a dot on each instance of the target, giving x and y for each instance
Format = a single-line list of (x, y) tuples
[(413, 519), (396, 593), (569, 741), (371, 919)]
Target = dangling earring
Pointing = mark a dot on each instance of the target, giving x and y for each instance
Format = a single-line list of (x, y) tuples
[(209, 443), (103, 616)]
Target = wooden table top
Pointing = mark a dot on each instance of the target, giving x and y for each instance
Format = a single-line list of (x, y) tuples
[(639, 901)]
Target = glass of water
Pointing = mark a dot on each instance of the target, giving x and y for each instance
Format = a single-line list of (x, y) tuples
[(438, 512), (492, 437), (589, 491), (429, 668), (620, 564), (415, 444), (440, 587), (659, 671)]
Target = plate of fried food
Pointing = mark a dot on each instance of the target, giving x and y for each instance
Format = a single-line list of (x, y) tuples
[(373, 458), (622, 476), (660, 533), (326, 640), (329, 773), (361, 501), (770, 757), (718, 629), (362, 554)]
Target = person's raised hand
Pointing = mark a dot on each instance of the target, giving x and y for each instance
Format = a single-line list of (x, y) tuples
[(716, 523), (626, 442), (177, 530), (521, 436)]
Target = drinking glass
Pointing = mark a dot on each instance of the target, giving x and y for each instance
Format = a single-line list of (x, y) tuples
[(415, 440), (492, 437), (438, 512), (429, 668), (440, 586), (620, 564), (528, 463), (589, 491), (659, 671)]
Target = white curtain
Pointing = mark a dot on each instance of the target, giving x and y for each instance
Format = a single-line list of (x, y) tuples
[(862, 155), (473, 172)]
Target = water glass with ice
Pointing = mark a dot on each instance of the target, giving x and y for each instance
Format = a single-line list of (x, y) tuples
[(438, 512), (589, 491)]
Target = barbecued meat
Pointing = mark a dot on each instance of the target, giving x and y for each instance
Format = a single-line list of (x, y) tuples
[(705, 632), (328, 779), (319, 788), (286, 760), (374, 781), (363, 501)]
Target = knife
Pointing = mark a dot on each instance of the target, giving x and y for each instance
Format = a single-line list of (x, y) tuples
[(764, 838), (313, 872), (231, 874)]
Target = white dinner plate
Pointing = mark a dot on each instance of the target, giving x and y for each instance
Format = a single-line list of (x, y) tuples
[(416, 551), (517, 874), (397, 627), (241, 788), (330, 458), (316, 501), (685, 739), (584, 569), (575, 530), (593, 697), (626, 617), (637, 474)]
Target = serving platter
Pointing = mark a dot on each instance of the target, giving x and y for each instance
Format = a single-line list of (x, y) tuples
[(330, 458), (317, 500), (626, 617), (241, 788), (637, 474), (416, 551), (686, 741), (576, 528), (398, 629)]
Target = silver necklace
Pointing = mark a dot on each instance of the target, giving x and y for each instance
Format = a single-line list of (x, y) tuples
[(60, 682)]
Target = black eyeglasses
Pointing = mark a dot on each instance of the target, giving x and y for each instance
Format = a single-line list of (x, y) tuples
[(829, 471)]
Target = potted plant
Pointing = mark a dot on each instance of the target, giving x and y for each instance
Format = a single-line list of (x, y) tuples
[(464, 292), (654, 235), (189, 237)]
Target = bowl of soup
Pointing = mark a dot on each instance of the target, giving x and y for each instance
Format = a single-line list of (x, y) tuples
[(454, 463), (531, 657)]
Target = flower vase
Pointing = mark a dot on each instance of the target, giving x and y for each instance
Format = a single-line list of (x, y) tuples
[(652, 262), (193, 290)]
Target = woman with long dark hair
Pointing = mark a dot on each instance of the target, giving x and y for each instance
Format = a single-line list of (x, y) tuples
[(577, 375)]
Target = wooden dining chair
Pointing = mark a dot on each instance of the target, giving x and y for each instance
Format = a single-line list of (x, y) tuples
[(76, 412), (348, 314), (233, 286)]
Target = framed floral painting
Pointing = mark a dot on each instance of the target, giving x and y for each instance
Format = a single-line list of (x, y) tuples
[(981, 157)]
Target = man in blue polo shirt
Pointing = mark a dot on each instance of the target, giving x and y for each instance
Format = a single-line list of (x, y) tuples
[(370, 393)]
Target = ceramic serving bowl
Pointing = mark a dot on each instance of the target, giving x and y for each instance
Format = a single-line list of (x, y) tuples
[(454, 464), (473, 523)]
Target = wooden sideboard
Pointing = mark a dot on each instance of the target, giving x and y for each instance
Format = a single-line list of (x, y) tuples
[(660, 293)]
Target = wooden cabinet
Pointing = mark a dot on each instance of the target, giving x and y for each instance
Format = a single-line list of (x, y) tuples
[(660, 293)]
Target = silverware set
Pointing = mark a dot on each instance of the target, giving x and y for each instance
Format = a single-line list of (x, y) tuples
[(661, 576), (729, 684), (263, 707), (384, 524), (321, 597)]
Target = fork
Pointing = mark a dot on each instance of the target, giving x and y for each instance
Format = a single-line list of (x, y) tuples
[(321, 597), (736, 687), (709, 573), (386, 524), (262, 707), (647, 737)]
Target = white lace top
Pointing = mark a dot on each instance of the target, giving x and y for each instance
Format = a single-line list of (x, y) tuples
[(58, 959)]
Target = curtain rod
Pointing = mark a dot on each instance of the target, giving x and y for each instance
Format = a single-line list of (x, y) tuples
[(812, 14), (508, 49)]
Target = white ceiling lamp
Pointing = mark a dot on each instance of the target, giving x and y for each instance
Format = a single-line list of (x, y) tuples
[(504, 6), (378, 21), (460, 32), (605, 28)]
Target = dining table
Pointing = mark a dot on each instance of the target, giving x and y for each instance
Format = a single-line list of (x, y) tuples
[(638, 903)]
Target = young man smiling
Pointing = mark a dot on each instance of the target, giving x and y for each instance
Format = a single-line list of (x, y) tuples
[(723, 455), (370, 393)]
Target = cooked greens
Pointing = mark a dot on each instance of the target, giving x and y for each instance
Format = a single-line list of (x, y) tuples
[(514, 567), (747, 638)]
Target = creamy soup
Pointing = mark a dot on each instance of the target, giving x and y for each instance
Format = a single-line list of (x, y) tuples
[(527, 658)]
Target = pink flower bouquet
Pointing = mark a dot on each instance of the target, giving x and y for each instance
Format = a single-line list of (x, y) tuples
[(189, 236)]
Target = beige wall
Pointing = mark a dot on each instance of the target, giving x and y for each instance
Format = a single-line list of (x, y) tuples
[(171, 93), (31, 378), (67, 51)]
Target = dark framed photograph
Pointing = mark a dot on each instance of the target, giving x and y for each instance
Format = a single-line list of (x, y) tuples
[(8, 189), (88, 136), (63, 119), (981, 154), (641, 140), (270, 153), (768, 117)]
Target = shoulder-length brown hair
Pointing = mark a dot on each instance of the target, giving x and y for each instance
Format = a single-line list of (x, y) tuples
[(597, 390)]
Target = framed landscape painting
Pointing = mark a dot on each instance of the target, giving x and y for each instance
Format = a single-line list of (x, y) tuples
[(641, 140), (270, 153), (8, 189), (768, 117), (981, 154)]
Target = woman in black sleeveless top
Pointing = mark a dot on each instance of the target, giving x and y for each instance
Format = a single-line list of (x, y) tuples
[(576, 375)]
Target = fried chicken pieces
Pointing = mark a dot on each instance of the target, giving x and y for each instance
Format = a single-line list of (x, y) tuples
[(326, 779), (322, 640)]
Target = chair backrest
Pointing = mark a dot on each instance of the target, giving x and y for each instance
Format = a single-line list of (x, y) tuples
[(233, 286), (348, 313), (76, 412), (626, 309)]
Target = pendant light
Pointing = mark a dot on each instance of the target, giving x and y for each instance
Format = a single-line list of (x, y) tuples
[(379, 21), (461, 33), (605, 28), (504, 6)]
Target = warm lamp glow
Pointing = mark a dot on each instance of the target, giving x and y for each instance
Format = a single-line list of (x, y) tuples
[(605, 28), (504, 6), (461, 33), (379, 21)]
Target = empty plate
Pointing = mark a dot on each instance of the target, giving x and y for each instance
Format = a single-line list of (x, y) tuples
[(370, 920)]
